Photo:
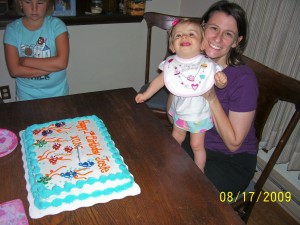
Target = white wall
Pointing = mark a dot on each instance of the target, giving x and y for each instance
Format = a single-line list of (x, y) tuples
[(194, 8), (4, 76), (105, 56)]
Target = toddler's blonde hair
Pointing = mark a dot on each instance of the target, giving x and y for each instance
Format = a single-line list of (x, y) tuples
[(185, 20)]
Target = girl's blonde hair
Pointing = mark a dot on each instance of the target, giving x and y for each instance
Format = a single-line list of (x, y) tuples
[(49, 10), (185, 20)]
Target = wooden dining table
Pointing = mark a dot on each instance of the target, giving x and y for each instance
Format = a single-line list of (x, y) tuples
[(173, 189)]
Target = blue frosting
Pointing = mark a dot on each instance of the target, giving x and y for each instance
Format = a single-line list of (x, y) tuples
[(40, 191)]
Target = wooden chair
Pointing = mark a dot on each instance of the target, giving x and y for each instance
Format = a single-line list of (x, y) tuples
[(159, 101), (273, 86)]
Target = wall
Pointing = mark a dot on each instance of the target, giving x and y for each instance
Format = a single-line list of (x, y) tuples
[(104, 56), (187, 7)]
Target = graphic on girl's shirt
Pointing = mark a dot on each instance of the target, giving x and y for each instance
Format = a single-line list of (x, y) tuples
[(38, 50)]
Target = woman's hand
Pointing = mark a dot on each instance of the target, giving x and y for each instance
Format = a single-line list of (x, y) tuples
[(210, 95)]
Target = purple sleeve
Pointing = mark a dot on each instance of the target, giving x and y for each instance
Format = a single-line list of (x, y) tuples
[(242, 89), (241, 92)]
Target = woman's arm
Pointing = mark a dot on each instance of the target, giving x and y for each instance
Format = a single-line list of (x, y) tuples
[(232, 128), (51, 64)]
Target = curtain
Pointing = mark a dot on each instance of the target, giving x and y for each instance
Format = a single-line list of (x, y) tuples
[(274, 40)]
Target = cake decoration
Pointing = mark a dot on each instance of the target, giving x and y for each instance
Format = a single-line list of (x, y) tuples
[(72, 163)]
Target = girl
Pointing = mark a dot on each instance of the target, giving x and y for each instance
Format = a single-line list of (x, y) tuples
[(37, 51), (187, 75)]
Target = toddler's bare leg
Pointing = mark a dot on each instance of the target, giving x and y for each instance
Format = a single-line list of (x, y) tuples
[(178, 134), (197, 145)]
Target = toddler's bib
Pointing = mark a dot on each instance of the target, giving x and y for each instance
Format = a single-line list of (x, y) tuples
[(189, 77)]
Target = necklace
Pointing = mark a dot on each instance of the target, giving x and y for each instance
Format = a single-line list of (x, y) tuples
[(190, 75)]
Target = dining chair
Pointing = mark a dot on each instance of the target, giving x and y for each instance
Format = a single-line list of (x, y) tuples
[(159, 101), (273, 86)]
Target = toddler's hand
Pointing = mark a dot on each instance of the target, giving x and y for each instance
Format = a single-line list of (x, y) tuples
[(220, 79), (140, 98)]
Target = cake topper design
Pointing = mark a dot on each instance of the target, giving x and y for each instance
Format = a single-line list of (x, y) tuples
[(87, 164), (58, 127), (46, 132), (74, 174), (53, 158), (68, 149), (47, 177), (56, 146)]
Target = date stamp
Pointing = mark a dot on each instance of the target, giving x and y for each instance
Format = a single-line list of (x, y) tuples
[(264, 196)]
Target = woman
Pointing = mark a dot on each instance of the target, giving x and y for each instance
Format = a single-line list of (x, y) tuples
[(231, 145)]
